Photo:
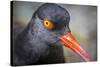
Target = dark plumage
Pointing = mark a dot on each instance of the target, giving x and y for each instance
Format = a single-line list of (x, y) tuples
[(38, 45)]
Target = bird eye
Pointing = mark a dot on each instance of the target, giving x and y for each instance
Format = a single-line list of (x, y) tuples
[(48, 24)]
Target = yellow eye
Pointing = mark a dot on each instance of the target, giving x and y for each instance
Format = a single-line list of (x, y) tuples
[(48, 24)]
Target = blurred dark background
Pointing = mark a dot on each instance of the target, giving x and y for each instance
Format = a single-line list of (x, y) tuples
[(83, 24)]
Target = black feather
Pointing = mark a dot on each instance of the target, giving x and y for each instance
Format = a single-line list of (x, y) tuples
[(37, 45)]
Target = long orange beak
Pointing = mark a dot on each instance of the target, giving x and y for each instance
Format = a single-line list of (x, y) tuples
[(69, 41)]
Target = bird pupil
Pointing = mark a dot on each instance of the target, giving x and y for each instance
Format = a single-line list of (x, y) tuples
[(46, 22)]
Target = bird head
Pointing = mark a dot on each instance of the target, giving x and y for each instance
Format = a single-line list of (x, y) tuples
[(51, 21), (51, 25)]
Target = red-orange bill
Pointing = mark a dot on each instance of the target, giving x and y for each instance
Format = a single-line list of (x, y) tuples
[(69, 41)]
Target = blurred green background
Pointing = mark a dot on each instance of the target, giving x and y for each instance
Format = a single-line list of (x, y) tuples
[(83, 25)]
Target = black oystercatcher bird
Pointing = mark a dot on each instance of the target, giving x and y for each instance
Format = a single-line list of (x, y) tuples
[(42, 40)]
